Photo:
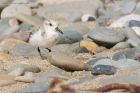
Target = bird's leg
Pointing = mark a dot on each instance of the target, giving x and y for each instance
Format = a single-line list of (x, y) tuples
[(49, 49), (39, 52)]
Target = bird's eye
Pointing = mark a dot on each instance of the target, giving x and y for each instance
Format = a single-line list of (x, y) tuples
[(50, 24)]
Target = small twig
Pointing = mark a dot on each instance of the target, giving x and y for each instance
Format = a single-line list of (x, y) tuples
[(58, 86)]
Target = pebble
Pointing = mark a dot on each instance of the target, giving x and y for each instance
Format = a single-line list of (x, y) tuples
[(8, 27), (4, 55), (25, 50), (24, 79), (25, 27), (68, 63), (129, 53), (21, 2), (88, 17), (81, 50), (74, 16), (4, 3), (32, 20), (91, 46), (104, 69), (102, 21), (127, 6), (28, 74), (106, 37), (75, 27), (17, 72), (8, 44), (6, 80), (14, 9), (135, 25), (53, 11), (124, 19), (34, 88), (54, 71), (68, 49), (134, 42), (121, 45), (112, 11), (120, 64), (101, 12), (130, 33), (20, 69), (70, 37), (49, 74), (92, 61), (135, 72), (129, 79), (137, 10), (99, 50), (23, 36)]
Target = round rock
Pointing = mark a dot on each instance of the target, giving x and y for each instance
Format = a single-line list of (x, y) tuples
[(25, 50), (74, 16), (102, 21), (104, 69), (14, 9), (8, 27), (20, 69), (128, 53), (34, 88), (83, 29), (134, 42), (70, 37), (81, 50), (92, 61), (24, 79), (130, 33), (66, 62), (25, 27), (4, 3), (134, 23), (66, 48), (127, 6), (88, 17), (124, 19), (8, 44), (121, 45), (106, 36), (101, 12), (120, 64)]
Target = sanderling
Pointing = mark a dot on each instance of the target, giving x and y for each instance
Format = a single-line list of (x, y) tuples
[(46, 36)]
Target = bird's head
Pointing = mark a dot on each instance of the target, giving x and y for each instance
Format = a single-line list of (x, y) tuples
[(53, 25)]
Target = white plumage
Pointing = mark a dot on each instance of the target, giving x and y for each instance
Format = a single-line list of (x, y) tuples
[(47, 35)]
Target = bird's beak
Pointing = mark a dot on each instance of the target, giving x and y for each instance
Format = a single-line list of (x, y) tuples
[(57, 29)]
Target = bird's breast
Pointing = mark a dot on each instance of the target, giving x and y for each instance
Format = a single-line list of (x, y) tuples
[(52, 40), (46, 41)]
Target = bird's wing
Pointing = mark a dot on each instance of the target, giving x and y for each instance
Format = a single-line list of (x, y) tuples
[(42, 29), (33, 30)]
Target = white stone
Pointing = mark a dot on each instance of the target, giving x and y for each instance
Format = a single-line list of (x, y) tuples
[(14, 9), (137, 30), (4, 3), (123, 20), (85, 17)]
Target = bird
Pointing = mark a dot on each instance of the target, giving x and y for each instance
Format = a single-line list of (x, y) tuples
[(46, 36)]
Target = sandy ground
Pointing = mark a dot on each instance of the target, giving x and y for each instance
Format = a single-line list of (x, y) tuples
[(44, 65), (6, 64)]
